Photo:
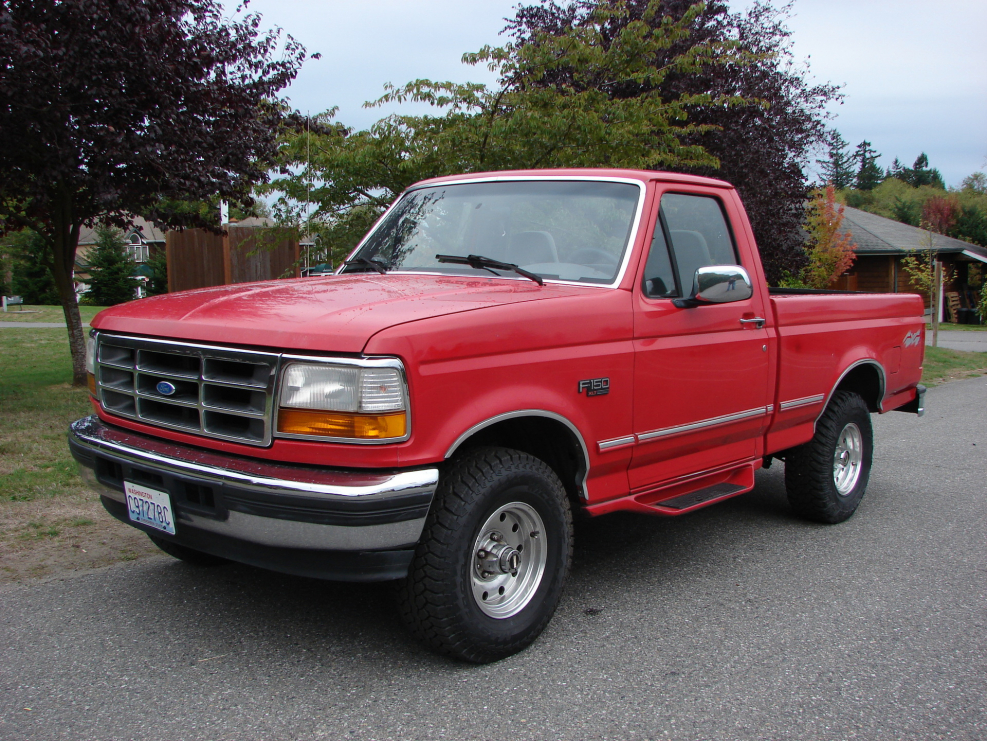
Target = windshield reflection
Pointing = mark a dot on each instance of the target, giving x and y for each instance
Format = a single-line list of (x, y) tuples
[(559, 230)]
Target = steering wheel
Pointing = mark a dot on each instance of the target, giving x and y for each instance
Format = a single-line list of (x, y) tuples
[(593, 256)]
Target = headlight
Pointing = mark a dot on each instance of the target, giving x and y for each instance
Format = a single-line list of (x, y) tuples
[(343, 401), (91, 364), (91, 354)]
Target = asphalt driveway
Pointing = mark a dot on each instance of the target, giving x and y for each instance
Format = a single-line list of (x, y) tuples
[(736, 622)]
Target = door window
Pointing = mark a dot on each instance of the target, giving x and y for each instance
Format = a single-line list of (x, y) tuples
[(699, 235)]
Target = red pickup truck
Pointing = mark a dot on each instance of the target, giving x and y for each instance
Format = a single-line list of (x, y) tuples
[(502, 351)]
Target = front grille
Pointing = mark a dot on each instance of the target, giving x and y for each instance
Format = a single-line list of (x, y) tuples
[(213, 391)]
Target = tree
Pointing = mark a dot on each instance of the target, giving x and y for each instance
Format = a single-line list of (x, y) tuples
[(118, 107), (521, 122), (971, 225), (111, 270), (922, 174), (868, 173), (975, 183), (32, 279), (761, 146), (939, 214), (158, 263), (830, 250), (918, 174), (837, 168)]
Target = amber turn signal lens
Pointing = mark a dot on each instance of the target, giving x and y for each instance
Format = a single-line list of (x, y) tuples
[(341, 424), (92, 384)]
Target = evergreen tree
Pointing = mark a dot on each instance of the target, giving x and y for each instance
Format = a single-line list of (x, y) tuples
[(32, 278), (971, 225), (869, 175), (158, 262), (111, 271), (922, 174), (907, 212), (837, 168), (897, 170)]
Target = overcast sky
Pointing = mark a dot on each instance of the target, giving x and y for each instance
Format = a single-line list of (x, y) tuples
[(914, 71)]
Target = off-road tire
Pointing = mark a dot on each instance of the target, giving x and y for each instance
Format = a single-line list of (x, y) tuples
[(188, 555), (809, 469), (436, 600)]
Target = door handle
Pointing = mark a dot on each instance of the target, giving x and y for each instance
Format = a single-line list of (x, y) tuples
[(757, 321)]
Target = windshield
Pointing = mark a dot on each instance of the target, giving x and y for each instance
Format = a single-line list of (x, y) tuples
[(559, 230)]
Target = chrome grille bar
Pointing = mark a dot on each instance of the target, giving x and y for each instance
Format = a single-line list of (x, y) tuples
[(218, 392)]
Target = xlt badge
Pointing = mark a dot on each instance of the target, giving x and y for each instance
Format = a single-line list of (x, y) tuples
[(595, 386)]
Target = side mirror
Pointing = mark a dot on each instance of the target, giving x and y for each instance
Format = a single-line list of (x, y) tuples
[(718, 284)]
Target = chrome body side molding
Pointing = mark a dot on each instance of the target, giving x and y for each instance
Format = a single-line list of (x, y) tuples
[(616, 442), (803, 402), (712, 422)]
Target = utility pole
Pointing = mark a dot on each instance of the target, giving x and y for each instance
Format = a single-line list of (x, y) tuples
[(936, 291)]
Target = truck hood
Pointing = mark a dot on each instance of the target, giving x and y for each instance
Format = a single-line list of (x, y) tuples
[(332, 314)]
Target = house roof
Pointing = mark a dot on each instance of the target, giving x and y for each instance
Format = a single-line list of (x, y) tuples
[(87, 236), (876, 235)]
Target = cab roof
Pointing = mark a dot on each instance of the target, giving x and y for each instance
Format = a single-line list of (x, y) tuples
[(587, 172)]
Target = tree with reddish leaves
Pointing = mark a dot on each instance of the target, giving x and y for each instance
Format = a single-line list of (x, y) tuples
[(110, 108), (830, 248), (761, 147), (939, 213)]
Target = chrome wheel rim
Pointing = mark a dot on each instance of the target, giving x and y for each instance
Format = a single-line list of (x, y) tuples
[(847, 459), (508, 560)]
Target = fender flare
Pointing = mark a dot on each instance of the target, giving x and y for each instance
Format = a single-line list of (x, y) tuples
[(519, 413)]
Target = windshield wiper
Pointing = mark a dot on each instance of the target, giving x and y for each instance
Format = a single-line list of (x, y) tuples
[(375, 264), (480, 262)]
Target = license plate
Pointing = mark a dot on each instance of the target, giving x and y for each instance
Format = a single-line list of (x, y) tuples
[(149, 507)]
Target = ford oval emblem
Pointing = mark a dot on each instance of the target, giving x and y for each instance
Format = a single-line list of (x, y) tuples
[(165, 388)]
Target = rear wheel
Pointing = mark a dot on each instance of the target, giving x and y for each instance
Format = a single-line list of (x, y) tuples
[(826, 478), (188, 555), (493, 558)]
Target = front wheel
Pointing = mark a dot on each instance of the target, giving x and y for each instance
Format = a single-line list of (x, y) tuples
[(493, 558), (827, 476)]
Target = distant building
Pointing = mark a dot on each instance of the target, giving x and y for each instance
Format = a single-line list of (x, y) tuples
[(881, 245)]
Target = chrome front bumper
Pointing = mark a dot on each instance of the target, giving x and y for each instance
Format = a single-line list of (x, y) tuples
[(240, 507)]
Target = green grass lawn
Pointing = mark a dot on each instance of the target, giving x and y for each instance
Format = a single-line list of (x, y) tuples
[(37, 402), (45, 313), (948, 365), (960, 327), (49, 522)]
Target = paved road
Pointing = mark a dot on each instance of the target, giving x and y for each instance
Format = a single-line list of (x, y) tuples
[(736, 622), (958, 339)]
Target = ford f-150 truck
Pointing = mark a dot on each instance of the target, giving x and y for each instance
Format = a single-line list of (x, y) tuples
[(501, 351)]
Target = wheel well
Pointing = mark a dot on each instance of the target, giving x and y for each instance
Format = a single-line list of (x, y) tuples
[(544, 438), (866, 381)]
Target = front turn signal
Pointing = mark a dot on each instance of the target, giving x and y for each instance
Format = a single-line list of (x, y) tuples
[(91, 380), (341, 424)]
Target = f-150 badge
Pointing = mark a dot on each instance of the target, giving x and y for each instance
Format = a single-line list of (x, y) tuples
[(912, 338), (595, 386)]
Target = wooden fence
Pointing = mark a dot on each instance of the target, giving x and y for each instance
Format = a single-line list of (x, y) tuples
[(198, 259)]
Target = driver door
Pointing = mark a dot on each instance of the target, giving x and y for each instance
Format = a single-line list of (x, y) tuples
[(701, 374)]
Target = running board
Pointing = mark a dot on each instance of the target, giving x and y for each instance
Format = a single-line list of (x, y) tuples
[(695, 498)]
